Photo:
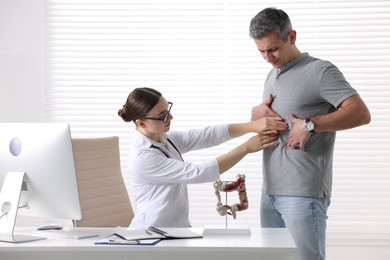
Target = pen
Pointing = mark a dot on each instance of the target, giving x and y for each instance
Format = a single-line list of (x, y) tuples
[(156, 230)]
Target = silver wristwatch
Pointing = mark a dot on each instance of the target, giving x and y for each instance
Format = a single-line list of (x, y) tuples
[(309, 125)]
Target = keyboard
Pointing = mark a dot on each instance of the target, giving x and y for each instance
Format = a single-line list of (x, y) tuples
[(69, 234)]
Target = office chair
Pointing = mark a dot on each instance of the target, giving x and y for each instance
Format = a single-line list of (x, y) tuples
[(103, 196)]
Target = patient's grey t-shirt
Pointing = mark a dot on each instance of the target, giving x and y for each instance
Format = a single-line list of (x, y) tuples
[(305, 87)]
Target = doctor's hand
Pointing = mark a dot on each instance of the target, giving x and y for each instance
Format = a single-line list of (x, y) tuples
[(253, 144), (260, 142), (269, 125), (264, 110)]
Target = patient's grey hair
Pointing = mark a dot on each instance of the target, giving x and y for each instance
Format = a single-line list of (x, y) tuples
[(270, 20)]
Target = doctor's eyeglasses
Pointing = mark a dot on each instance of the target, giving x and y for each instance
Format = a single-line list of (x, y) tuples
[(165, 116)]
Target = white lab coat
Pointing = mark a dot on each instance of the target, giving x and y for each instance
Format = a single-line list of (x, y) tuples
[(160, 182)]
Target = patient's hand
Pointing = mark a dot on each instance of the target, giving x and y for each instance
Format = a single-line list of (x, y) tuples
[(264, 110)]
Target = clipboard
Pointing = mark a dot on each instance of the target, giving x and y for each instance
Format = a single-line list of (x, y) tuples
[(116, 239), (149, 236)]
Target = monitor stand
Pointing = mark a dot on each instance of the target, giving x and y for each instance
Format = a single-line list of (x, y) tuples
[(9, 203)]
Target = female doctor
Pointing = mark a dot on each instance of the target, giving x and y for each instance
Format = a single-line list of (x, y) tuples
[(158, 172)]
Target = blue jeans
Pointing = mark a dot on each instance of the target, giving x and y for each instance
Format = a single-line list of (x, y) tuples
[(305, 218)]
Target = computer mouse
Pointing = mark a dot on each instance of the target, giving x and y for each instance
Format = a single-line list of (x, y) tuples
[(50, 227)]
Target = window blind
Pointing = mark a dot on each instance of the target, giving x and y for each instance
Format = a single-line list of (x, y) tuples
[(199, 55)]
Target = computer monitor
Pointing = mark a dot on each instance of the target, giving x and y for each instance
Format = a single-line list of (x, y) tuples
[(37, 175)]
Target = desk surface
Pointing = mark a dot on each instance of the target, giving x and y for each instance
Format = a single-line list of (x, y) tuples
[(263, 243)]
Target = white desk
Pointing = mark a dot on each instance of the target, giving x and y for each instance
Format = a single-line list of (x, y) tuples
[(261, 244)]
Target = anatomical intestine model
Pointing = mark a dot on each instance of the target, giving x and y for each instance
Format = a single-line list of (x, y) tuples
[(239, 186)]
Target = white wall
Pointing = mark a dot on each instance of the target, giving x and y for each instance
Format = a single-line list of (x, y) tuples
[(21, 61), (22, 88), (22, 70)]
